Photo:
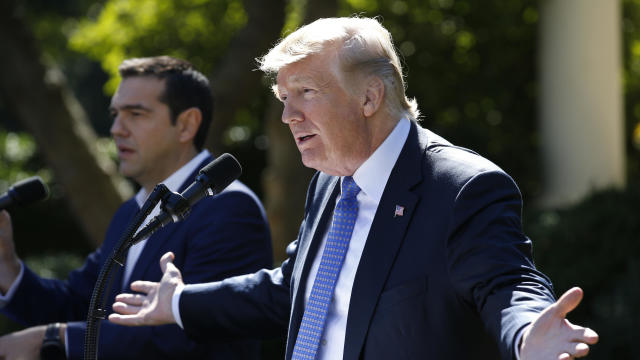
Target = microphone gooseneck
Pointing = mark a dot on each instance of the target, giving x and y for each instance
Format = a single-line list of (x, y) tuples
[(212, 179)]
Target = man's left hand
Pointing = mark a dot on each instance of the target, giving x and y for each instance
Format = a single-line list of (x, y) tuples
[(552, 336), (23, 345)]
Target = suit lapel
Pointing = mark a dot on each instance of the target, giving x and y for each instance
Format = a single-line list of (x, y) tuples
[(150, 254), (385, 239)]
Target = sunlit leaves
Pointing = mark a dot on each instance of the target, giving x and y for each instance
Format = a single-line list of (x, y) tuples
[(471, 66), (636, 136), (18, 147), (17, 151), (631, 82), (194, 29), (363, 5)]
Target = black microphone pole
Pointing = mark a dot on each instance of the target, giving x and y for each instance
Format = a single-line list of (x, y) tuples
[(95, 313)]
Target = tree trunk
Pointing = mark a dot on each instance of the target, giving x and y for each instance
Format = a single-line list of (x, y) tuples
[(43, 104), (316, 9), (286, 179), (235, 81)]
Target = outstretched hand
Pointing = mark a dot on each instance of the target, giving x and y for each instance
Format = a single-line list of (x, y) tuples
[(153, 306), (9, 262), (552, 336)]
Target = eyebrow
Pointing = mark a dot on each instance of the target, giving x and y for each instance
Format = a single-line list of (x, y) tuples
[(296, 78), (130, 107)]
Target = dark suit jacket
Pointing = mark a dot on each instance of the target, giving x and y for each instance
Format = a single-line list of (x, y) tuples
[(453, 278), (225, 235)]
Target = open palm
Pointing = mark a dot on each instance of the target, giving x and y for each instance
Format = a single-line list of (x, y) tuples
[(553, 337), (153, 306)]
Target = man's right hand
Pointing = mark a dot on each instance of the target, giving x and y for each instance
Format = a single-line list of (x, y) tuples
[(9, 262), (154, 307)]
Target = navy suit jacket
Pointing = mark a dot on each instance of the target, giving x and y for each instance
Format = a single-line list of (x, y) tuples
[(225, 235), (452, 278)]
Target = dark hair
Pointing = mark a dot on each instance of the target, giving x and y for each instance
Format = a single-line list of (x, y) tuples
[(185, 87)]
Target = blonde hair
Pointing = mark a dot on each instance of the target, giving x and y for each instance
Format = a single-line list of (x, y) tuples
[(364, 47)]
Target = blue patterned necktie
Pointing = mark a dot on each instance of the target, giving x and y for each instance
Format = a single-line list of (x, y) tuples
[(315, 312)]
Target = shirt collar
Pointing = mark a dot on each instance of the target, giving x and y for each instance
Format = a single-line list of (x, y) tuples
[(373, 174), (178, 178)]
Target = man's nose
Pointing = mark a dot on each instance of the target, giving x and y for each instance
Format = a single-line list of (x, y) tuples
[(118, 127), (291, 114)]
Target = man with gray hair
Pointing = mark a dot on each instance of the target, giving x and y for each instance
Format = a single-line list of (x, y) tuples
[(410, 247)]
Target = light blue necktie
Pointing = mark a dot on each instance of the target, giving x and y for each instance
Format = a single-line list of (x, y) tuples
[(315, 312)]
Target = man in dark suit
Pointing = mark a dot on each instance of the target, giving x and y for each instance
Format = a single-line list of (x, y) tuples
[(410, 247), (161, 113)]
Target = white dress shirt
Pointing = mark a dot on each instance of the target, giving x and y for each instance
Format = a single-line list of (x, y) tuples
[(372, 178)]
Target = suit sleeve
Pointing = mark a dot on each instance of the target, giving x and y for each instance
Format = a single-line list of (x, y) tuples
[(66, 300), (256, 305), (39, 300), (490, 259)]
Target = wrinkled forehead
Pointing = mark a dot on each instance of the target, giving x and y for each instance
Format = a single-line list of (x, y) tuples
[(316, 68)]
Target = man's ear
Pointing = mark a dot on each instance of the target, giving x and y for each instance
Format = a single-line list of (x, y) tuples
[(373, 96), (188, 123)]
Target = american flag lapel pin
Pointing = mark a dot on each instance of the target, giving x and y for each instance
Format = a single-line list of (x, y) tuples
[(399, 211)]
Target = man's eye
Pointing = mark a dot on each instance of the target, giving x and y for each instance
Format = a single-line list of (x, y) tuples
[(307, 91)]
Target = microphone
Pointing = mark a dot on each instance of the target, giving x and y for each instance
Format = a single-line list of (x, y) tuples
[(211, 180), (24, 192)]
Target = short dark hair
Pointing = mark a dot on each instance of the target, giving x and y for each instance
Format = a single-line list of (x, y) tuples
[(185, 87)]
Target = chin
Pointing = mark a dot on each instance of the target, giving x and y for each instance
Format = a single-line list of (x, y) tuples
[(313, 163), (126, 171)]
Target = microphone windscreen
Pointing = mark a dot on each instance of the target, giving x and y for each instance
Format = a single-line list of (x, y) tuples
[(28, 190), (222, 171)]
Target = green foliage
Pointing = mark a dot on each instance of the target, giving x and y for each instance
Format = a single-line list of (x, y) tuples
[(294, 14), (471, 66), (631, 61), (595, 245), (52, 23), (56, 230), (54, 266), (17, 159), (197, 30)]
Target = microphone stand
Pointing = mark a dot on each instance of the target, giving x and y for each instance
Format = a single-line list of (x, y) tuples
[(96, 313)]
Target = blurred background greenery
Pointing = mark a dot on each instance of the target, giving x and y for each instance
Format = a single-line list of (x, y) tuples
[(472, 66)]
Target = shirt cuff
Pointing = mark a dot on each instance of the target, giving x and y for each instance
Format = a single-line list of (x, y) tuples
[(519, 339), (175, 305), (5, 299), (66, 342)]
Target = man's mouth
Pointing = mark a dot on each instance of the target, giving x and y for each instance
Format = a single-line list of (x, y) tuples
[(123, 151), (304, 138)]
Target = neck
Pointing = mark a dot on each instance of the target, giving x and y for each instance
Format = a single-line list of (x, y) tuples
[(378, 131), (177, 162), (382, 131)]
